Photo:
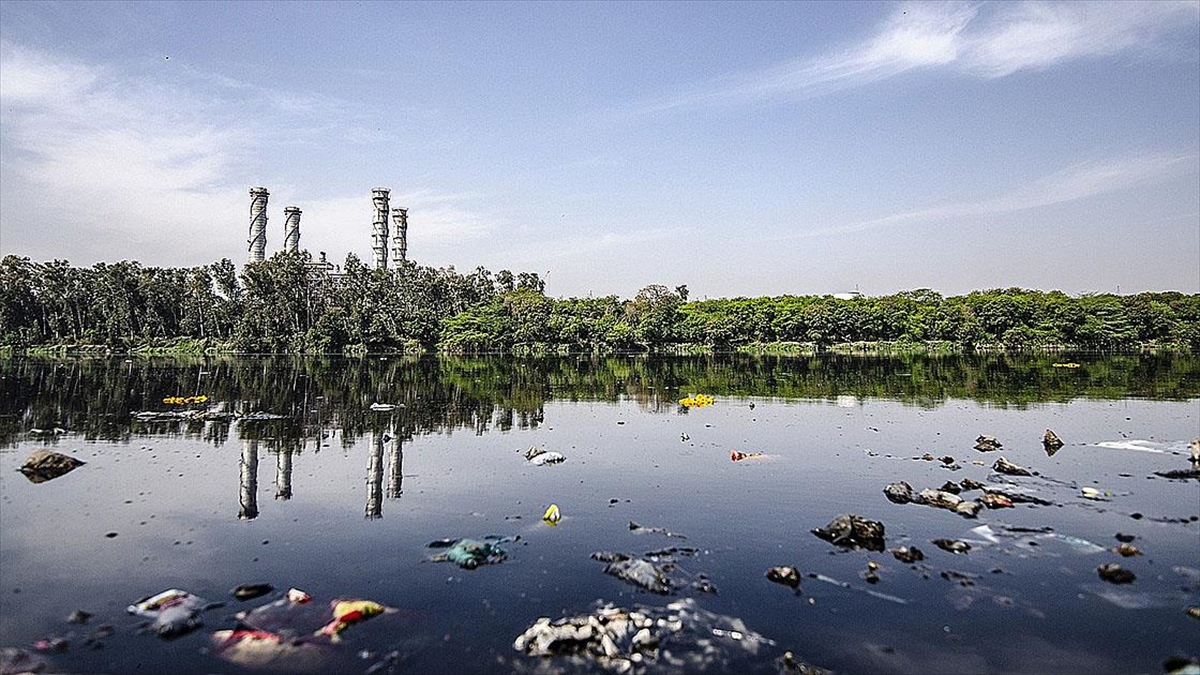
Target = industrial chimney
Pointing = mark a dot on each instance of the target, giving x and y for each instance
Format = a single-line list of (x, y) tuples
[(400, 235), (379, 227), (291, 229), (258, 223)]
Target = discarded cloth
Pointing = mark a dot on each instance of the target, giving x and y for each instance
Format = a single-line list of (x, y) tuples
[(471, 553)]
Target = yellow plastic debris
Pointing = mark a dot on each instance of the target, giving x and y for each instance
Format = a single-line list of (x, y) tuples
[(552, 515), (346, 612), (184, 400), (697, 401)]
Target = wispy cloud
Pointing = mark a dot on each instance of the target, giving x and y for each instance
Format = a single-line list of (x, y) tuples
[(987, 41), (117, 165), (1074, 183), (122, 160), (1039, 35)]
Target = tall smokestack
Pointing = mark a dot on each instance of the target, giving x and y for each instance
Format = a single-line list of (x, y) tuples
[(258, 223), (379, 227), (291, 229), (400, 235)]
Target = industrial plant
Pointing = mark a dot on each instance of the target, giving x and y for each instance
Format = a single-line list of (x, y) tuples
[(381, 233)]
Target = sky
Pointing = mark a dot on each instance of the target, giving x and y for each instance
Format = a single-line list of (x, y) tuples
[(742, 149)]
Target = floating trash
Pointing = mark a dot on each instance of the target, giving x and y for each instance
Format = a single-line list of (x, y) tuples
[(1115, 574), (735, 456), (906, 554), (251, 591), (185, 400), (679, 637), (1051, 442), (471, 553), (260, 416), (902, 493), (383, 407), (851, 531), (1127, 550), (655, 571), (1138, 445), (996, 500), (1071, 364), (539, 457), (44, 465), (16, 660), (898, 493), (637, 571), (697, 401), (788, 576), (349, 612), (266, 651), (635, 527), (56, 431), (293, 635), (1004, 466), (869, 591), (79, 616), (987, 444), (952, 545), (174, 612)]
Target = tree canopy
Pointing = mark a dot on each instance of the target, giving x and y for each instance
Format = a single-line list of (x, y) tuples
[(288, 304)]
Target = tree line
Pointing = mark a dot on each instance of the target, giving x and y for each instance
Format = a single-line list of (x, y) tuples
[(288, 304)]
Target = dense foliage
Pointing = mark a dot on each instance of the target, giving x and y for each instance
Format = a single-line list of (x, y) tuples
[(288, 304)]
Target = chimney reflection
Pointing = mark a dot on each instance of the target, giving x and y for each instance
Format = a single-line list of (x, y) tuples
[(375, 476), (395, 469), (248, 500), (283, 475)]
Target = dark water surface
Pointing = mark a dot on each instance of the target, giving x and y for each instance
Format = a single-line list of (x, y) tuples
[(342, 501)]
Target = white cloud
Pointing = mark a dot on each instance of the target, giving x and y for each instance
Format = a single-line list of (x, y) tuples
[(1074, 183), (99, 165), (987, 41), (1039, 35), (31, 78)]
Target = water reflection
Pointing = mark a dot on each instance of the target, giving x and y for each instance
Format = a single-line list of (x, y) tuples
[(396, 470), (283, 475), (319, 399), (248, 496), (327, 430), (375, 477)]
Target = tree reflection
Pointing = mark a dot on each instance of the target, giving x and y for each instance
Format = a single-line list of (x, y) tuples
[(283, 475), (375, 476), (248, 495), (321, 398), (396, 469)]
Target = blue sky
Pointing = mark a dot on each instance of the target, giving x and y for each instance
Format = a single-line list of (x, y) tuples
[(741, 148)]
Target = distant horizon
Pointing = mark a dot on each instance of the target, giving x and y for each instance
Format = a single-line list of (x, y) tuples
[(751, 150)]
